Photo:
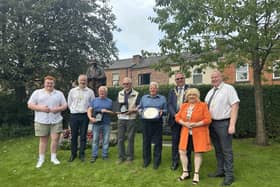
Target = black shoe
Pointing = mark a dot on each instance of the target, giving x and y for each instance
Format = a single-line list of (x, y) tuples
[(82, 158), (212, 175), (72, 158), (156, 166), (145, 165), (183, 177), (227, 181), (93, 159), (174, 166)]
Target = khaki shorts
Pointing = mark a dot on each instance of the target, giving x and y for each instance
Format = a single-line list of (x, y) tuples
[(47, 129)]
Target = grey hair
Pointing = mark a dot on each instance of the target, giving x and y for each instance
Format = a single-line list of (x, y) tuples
[(82, 75), (128, 79), (104, 88), (154, 84)]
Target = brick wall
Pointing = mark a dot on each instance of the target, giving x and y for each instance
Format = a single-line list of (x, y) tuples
[(157, 76), (229, 74)]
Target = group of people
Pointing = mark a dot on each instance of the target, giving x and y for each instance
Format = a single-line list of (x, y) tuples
[(194, 124)]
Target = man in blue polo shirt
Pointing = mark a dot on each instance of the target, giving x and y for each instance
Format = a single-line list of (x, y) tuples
[(99, 114), (152, 124)]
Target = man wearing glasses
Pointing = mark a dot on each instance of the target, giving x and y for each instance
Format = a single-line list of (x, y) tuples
[(175, 99), (128, 99)]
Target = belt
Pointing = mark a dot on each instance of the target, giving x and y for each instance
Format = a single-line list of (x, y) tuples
[(220, 120), (79, 113)]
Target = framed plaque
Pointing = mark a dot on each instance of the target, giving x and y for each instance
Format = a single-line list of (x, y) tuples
[(123, 109), (98, 117), (150, 113)]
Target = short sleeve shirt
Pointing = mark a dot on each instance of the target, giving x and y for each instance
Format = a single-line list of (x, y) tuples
[(51, 100), (224, 98), (98, 104)]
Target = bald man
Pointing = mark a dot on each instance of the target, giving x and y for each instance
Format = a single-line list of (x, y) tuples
[(223, 104)]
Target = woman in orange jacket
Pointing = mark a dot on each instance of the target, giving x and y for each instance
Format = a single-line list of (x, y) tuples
[(195, 119)]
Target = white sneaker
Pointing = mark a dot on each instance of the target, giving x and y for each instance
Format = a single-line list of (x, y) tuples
[(39, 163), (55, 161)]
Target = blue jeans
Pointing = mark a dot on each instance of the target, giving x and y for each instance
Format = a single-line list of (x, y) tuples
[(96, 129)]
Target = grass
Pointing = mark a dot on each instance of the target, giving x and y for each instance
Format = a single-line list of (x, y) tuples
[(254, 166)]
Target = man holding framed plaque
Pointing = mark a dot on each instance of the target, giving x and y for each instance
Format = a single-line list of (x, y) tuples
[(128, 99), (99, 114), (152, 107)]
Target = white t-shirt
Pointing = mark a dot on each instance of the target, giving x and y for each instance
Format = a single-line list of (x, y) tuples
[(224, 98), (53, 99)]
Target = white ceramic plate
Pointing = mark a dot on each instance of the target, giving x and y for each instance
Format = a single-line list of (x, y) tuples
[(150, 113)]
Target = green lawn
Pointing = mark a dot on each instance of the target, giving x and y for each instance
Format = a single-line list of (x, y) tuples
[(254, 166)]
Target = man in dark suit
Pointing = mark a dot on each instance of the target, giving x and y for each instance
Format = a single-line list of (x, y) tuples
[(175, 99)]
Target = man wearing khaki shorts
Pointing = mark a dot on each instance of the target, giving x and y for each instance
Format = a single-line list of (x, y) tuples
[(48, 103)]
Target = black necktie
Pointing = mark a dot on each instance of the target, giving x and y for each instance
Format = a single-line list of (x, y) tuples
[(210, 100)]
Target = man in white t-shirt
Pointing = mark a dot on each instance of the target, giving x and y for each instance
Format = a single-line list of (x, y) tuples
[(48, 103), (223, 104)]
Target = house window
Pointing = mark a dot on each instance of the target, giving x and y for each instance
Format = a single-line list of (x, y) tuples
[(144, 79), (115, 79), (197, 76), (242, 73), (276, 69)]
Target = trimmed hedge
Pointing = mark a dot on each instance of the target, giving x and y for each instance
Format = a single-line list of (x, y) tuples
[(17, 120)]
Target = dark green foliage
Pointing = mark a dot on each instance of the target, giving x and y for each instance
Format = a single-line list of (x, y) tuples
[(16, 119), (56, 37)]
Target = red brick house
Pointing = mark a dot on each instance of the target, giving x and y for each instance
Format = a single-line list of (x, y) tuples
[(244, 75), (138, 69)]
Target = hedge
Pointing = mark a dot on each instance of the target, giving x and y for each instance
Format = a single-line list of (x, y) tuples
[(16, 119)]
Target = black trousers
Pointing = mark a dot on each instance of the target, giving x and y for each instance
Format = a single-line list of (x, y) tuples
[(152, 132), (79, 126), (222, 142), (175, 133)]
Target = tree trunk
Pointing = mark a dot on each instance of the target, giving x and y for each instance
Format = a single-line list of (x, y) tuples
[(261, 138)]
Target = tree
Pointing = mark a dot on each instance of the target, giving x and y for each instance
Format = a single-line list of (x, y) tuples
[(57, 37), (239, 31)]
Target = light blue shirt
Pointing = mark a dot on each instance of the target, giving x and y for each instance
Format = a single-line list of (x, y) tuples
[(158, 101)]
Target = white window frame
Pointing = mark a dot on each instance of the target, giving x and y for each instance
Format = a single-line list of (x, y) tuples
[(242, 71), (115, 78), (197, 74), (275, 64)]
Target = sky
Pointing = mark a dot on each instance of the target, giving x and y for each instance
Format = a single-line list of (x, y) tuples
[(137, 32)]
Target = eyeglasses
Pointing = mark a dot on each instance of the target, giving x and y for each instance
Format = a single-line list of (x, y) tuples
[(181, 78), (125, 83)]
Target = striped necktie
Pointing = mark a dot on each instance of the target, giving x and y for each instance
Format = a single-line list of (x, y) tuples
[(211, 98)]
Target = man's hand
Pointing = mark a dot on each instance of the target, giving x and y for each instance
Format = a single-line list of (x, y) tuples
[(231, 129), (43, 108)]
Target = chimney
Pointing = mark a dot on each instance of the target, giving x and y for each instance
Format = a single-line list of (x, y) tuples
[(136, 59)]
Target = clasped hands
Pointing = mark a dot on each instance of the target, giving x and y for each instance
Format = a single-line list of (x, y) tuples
[(190, 124), (48, 110)]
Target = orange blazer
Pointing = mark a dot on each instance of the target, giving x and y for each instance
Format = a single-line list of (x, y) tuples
[(201, 138)]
